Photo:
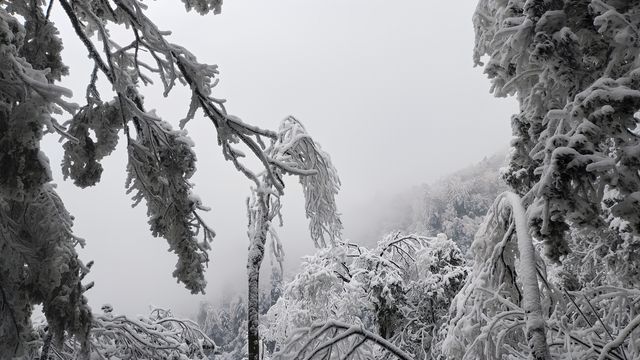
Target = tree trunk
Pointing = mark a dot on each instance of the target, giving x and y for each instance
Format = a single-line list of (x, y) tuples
[(535, 324), (44, 355), (257, 242)]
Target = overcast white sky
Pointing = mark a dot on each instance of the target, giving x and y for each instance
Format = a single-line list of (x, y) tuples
[(387, 88)]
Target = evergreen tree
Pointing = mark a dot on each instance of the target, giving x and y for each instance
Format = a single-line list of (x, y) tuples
[(573, 67)]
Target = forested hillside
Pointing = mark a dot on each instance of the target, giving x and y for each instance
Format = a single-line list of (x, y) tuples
[(453, 205)]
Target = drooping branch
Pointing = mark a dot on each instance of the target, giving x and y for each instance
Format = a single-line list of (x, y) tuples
[(327, 336), (157, 336), (296, 150)]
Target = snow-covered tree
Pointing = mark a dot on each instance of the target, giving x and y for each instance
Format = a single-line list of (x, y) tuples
[(315, 293), (38, 261), (354, 301), (513, 306), (226, 325), (573, 67), (502, 284), (294, 152)]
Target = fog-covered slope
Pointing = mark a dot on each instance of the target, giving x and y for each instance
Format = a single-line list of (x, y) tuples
[(454, 205)]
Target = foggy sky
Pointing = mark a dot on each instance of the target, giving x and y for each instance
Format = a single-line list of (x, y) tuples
[(387, 88)]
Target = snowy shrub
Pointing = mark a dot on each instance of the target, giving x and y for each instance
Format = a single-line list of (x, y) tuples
[(396, 294)]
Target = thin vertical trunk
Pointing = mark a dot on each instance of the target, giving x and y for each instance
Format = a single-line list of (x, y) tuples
[(256, 255), (535, 324)]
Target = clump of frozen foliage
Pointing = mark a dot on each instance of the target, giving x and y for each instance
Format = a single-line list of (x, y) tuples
[(354, 301), (39, 264), (573, 67)]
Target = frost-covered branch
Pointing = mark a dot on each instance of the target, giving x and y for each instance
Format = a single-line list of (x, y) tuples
[(621, 338), (325, 337), (167, 193), (574, 71), (157, 336)]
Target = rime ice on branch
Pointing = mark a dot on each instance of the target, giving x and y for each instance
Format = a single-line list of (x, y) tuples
[(573, 66), (38, 260), (161, 160)]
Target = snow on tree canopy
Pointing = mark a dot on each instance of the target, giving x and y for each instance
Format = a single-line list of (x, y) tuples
[(39, 263), (573, 66), (398, 291)]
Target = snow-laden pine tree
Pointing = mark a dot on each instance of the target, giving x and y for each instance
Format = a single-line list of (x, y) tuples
[(38, 261), (573, 66)]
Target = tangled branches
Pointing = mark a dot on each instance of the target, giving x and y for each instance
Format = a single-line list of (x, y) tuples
[(158, 336), (337, 340), (490, 318)]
